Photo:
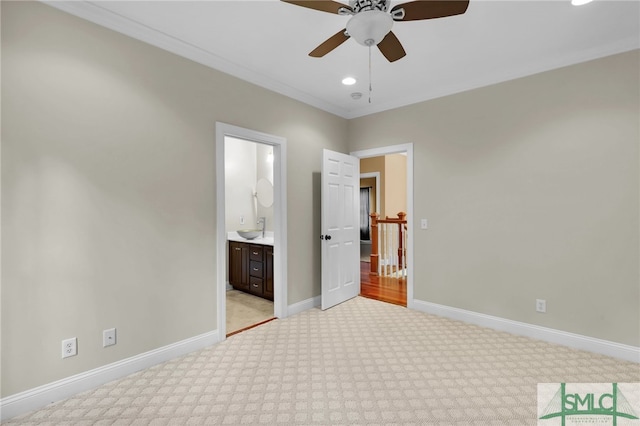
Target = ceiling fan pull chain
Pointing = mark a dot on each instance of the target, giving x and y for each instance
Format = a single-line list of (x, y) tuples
[(369, 73)]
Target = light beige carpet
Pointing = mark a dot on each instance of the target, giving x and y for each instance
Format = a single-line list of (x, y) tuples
[(361, 362), (245, 310)]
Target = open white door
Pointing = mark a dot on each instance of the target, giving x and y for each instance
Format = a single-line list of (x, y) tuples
[(340, 228)]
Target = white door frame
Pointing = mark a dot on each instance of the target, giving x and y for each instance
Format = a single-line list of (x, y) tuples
[(279, 145), (400, 149)]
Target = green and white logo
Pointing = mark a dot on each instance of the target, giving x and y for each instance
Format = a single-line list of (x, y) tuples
[(616, 404)]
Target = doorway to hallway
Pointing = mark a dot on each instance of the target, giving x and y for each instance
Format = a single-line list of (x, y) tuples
[(387, 173)]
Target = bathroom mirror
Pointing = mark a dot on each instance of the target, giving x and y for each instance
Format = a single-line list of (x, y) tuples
[(264, 192)]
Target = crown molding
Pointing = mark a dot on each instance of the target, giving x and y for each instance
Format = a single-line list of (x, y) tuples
[(93, 12)]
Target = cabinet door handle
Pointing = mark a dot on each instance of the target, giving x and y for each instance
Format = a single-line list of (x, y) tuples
[(238, 248), (255, 252), (255, 285), (255, 269)]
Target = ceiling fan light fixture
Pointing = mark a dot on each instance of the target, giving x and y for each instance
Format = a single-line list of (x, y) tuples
[(369, 27)]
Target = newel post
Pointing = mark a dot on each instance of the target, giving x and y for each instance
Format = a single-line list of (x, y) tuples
[(401, 216), (374, 244)]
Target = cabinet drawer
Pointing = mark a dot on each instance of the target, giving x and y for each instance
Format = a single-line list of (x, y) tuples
[(255, 269), (255, 285), (255, 253)]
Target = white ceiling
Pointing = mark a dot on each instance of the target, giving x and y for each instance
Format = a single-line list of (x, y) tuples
[(267, 43)]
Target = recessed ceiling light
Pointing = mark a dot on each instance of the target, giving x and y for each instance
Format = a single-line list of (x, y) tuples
[(348, 81), (580, 2)]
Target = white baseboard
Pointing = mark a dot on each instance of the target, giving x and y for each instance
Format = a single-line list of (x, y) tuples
[(36, 398), (39, 397), (576, 341), (296, 308)]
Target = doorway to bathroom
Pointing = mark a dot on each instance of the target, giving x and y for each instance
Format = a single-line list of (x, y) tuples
[(251, 228)]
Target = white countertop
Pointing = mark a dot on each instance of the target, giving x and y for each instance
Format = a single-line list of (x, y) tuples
[(266, 241)]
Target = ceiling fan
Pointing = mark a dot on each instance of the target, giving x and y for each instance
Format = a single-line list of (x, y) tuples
[(370, 23)]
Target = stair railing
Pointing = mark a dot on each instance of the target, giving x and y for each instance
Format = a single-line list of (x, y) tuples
[(388, 245)]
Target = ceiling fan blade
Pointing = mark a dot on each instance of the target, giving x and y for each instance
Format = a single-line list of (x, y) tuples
[(430, 9), (391, 48), (331, 43), (321, 5)]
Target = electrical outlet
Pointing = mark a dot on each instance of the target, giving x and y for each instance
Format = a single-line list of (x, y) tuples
[(108, 337), (69, 347), (241, 219), (541, 305)]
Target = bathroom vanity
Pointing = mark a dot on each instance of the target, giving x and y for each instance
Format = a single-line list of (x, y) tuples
[(251, 267)]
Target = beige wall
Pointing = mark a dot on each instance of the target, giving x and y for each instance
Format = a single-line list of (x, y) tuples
[(393, 181), (531, 188), (108, 191), (395, 184)]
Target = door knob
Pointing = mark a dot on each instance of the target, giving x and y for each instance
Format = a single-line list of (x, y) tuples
[(325, 237)]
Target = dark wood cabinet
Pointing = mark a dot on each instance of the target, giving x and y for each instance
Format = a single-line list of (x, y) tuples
[(268, 272), (239, 265), (256, 270), (251, 268)]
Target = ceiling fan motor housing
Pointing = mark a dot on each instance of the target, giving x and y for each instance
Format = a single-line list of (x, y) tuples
[(360, 5)]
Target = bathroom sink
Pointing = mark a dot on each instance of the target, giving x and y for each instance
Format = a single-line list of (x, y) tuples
[(249, 234)]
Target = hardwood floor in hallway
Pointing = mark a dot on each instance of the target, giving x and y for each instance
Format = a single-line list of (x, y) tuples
[(385, 289)]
